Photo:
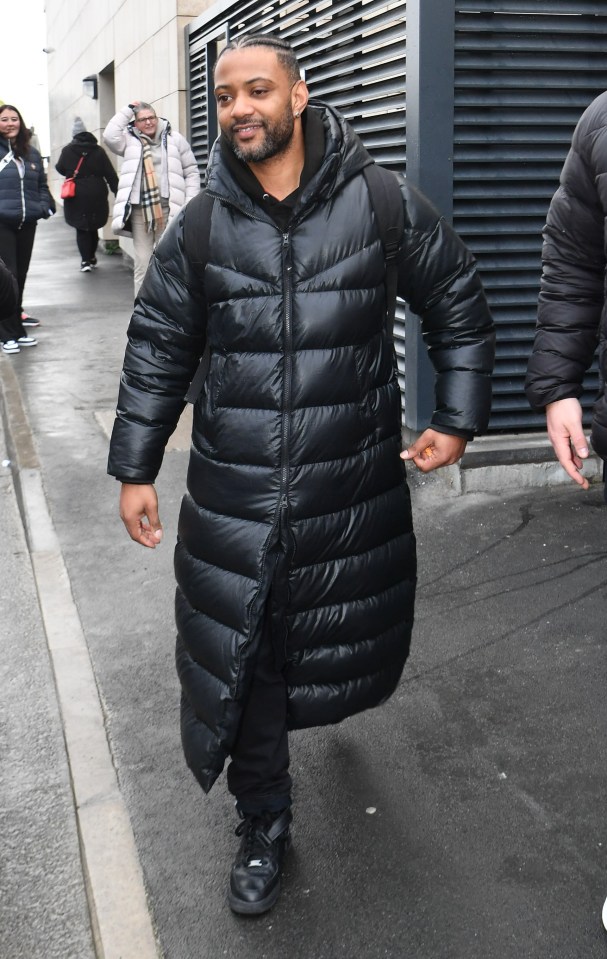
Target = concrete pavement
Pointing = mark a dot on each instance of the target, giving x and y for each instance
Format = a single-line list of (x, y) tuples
[(91, 828), (464, 819), (43, 907)]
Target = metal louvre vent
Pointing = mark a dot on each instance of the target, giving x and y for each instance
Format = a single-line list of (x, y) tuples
[(353, 55), (523, 77), (198, 100), (202, 115)]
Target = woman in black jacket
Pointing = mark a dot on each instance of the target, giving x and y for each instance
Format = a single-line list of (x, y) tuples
[(88, 210), (24, 199)]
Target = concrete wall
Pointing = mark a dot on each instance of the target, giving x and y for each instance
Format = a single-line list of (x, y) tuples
[(136, 48)]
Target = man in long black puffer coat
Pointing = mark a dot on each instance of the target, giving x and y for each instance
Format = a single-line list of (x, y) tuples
[(295, 559), (572, 313)]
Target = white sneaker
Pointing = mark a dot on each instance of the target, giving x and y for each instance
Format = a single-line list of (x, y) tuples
[(26, 341), (11, 346)]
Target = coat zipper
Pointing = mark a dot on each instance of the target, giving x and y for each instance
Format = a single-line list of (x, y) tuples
[(22, 204), (283, 502), (287, 273), (280, 518)]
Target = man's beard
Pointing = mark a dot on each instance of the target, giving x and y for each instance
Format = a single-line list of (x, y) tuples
[(278, 135)]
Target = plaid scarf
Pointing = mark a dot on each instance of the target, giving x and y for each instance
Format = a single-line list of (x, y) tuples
[(150, 191)]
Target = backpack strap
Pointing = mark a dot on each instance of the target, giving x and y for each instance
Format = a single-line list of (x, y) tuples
[(196, 233), (387, 203), (6, 159)]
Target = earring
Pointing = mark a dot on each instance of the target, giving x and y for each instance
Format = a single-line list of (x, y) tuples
[(297, 113)]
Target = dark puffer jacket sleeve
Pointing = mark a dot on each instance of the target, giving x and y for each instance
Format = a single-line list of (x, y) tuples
[(573, 259), (439, 280), (161, 356)]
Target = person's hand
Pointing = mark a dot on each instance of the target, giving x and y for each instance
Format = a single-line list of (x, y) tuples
[(434, 449), (139, 513), (564, 424)]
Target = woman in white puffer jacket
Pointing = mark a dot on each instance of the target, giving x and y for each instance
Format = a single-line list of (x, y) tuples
[(149, 194)]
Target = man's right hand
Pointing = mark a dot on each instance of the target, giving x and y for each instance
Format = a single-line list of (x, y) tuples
[(139, 513), (565, 431)]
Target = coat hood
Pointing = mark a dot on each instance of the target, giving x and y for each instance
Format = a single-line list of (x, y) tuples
[(345, 156), (84, 139)]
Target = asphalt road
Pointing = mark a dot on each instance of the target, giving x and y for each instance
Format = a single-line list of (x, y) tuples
[(465, 819)]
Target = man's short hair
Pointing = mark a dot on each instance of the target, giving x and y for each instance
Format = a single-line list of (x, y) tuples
[(283, 50)]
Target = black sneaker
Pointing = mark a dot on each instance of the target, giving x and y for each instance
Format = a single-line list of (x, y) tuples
[(27, 320), (94, 263), (85, 267), (255, 876)]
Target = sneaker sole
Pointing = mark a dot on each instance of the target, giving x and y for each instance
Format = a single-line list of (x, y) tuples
[(21, 345), (10, 352)]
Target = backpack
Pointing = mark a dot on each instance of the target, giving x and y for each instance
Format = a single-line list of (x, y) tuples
[(386, 200)]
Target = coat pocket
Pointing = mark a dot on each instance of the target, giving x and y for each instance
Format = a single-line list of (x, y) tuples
[(215, 381)]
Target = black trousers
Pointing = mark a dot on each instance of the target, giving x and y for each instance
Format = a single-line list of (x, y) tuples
[(16, 247), (87, 241), (258, 774)]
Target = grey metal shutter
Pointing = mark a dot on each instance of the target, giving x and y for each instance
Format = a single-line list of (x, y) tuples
[(524, 73)]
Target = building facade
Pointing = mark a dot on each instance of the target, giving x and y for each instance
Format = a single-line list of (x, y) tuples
[(103, 55)]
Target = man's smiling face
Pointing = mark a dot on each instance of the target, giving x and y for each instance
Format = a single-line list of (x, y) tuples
[(254, 97)]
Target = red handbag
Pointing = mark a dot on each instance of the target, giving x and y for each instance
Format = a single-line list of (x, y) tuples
[(68, 187)]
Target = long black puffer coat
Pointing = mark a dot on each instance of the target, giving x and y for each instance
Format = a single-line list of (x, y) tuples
[(89, 208), (572, 314), (24, 200), (297, 433)]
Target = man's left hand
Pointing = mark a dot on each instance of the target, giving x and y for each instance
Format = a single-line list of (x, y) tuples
[(433, 450)]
